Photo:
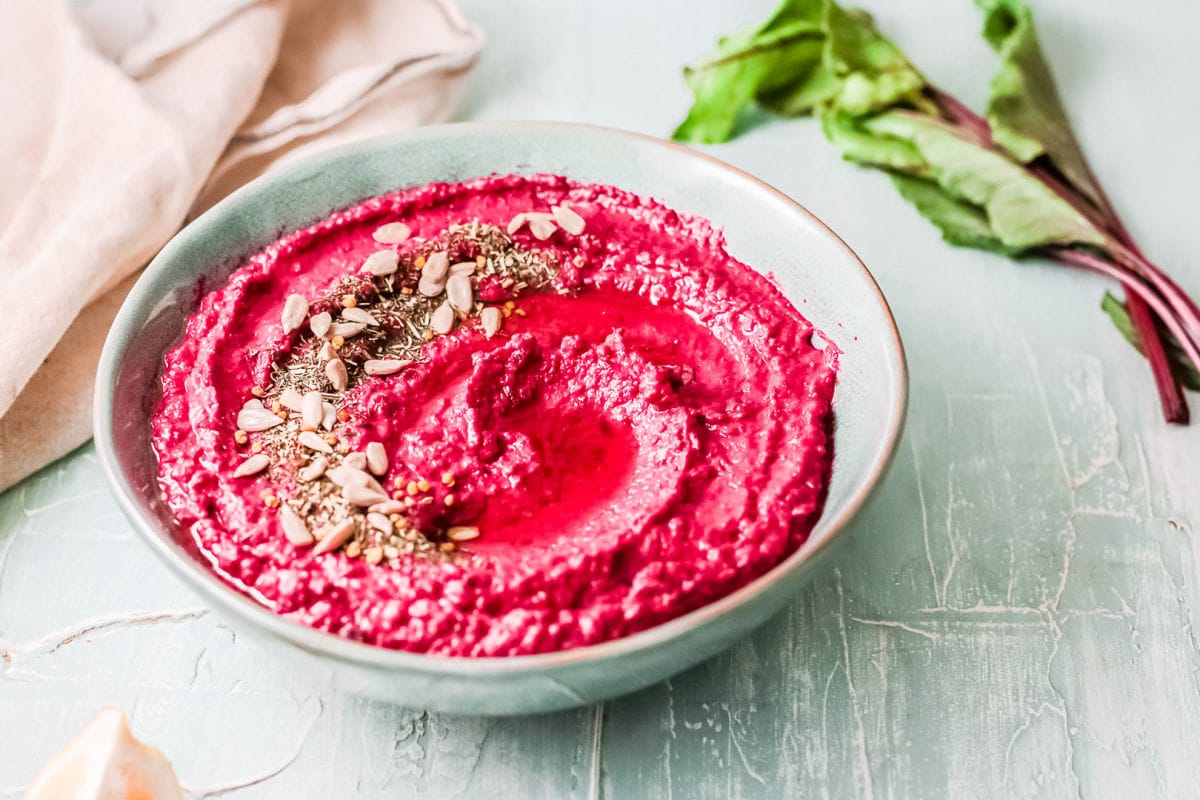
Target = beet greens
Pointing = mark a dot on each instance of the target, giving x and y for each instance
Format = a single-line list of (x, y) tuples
[(1013, 180)]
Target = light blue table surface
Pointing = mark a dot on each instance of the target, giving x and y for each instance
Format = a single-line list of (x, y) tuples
[(1015, 617)]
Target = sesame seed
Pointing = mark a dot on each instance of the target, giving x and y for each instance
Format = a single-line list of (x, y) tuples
[(349, 301), (240, 436), (449, 501), (423, 485)]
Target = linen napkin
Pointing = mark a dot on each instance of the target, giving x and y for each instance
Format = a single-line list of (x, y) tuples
[(125, 117)]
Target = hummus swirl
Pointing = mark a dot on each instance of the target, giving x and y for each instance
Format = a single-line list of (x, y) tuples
[(642, 441)]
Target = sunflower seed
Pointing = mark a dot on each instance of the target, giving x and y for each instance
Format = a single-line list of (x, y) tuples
[(335, 370), (328, 416), (436, 266), (294, 528), (314, 470), (346, 330), (319, 324), (460, 293), (334, 536), (295, 309), (363, 495), (356, 459), (430, 288), (311, 410), (255, 417), (442, 320), (344, 476), (491, 319), (384, 366), (567, 219), (313, 441), (377, 460), (327, 352), (462, 533), (463, 268), (516, 223), (380, 523), (357, 314), (252, 466), (290, 399), (382, 262), (387, 507), (541, 225), (392, 233)]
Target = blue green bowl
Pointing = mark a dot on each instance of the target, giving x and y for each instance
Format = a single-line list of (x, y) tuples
[(765, 229)]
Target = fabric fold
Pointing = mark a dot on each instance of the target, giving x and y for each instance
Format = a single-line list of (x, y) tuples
[(129, 134)]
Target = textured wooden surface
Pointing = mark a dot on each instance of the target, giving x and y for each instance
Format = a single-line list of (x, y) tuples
[(1014, 617)]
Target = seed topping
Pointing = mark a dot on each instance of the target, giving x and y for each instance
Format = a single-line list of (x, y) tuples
[(252, 466), (327, 488), (392, 233), (295, 309), (382, 263)]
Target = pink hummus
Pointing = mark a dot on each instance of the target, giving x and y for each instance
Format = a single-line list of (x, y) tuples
[(640, 443)]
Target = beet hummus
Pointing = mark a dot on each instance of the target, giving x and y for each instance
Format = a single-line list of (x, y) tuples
[(507, 416)]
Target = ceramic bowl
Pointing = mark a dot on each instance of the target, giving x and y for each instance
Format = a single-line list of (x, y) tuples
[(765, 229)]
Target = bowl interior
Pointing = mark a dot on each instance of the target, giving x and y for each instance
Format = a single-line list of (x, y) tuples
[(765, 229)]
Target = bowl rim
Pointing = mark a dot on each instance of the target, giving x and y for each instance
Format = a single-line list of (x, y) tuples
[(229, 600)]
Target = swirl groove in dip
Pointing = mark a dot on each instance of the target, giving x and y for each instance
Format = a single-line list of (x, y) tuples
[(623, 423)]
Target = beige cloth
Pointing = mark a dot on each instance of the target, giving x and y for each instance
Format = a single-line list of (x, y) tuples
[(111, 140)]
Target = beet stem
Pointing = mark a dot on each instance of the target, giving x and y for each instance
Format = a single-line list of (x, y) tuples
[(1170, 390)]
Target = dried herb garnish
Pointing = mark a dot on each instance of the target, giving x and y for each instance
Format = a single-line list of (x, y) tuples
[(373, 323)]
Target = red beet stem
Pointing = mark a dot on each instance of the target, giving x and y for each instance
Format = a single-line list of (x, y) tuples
[(1170, 390), (1185, 334)]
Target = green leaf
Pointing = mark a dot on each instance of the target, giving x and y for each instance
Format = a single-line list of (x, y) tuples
[(862, 146), (1022, 211), (1024, 108), (1180, 365), (873, 71), (960, 222), (811, 55), (775, 59)]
